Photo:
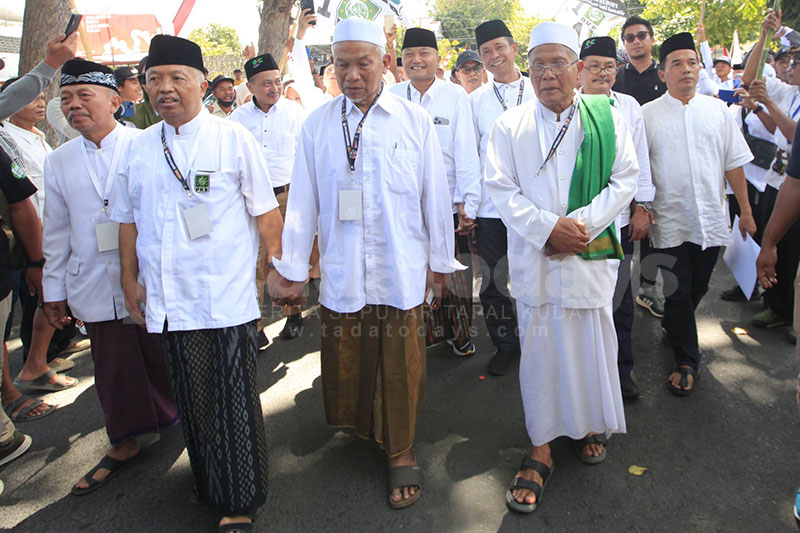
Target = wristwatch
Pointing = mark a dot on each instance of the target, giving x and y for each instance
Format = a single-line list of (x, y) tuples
[(647, 206), (36, 264), (758, 109)]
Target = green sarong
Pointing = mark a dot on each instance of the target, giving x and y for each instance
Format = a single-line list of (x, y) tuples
[(593, 170)]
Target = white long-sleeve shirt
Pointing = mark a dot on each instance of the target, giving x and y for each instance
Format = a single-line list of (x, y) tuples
[(754, 174), (486, 108), (406, 224), (277, 132), (530, 205), (207, 282), (448, 105), (691, 147), (78, 175)]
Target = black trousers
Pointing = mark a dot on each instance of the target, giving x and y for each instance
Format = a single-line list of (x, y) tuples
[(755, 198), (780, 297), (623, 307), (498, 310), (687, 270)]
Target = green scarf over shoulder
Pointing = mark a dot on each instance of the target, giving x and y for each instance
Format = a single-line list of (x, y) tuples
[(593, 170)]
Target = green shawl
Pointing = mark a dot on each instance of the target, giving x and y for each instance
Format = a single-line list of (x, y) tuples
[(593, 170)]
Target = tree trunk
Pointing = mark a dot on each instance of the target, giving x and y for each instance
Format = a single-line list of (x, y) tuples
[(43, 20), (274, 27)]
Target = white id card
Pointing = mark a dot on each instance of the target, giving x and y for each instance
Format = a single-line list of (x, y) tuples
[(107, 236), (350, 207), (197, 221)]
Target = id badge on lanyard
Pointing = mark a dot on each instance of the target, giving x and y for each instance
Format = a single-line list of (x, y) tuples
[(107, 232)]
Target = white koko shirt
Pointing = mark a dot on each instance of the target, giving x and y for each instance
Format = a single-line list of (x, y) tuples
[(276, 131), (530, 205), (407, 222), (486, 107), (208, 282), (448, 105), (691, 147), (33, 148), (77, 176)]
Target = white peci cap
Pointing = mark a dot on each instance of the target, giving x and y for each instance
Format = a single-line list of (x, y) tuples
[(357, 29), (554, 33)]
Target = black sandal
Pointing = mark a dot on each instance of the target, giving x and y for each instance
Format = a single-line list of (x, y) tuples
[(520, 483), (236, 527), (109, 463), (591, 439), (682, 390)]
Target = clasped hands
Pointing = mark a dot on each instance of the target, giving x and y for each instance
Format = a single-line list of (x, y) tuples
[(569, 237)]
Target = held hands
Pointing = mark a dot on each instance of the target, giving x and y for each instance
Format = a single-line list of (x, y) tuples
[(639, 227), (59, 53), (568, 237), (283, 291), (135, 300), (56, 313)]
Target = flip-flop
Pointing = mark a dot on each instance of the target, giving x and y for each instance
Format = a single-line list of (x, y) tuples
[(520, 483), (59, 364), (23, 415), (405, 476), (109, 463), (591, 439), (76, 346), (682, 389), (236, 527), (42, 383)]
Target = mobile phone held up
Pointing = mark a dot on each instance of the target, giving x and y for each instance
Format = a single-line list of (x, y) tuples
[(306, 5), (72, 25)]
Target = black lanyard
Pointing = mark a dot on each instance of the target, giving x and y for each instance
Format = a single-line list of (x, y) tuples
[(352, 149), (519, 98), (172, 165), (559, 138)]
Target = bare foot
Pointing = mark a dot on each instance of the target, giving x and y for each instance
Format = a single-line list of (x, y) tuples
[(592, 450), (538, 453), (675, 379), (404, 493), (123, 452)]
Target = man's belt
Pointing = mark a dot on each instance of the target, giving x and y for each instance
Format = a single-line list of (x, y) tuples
[(282, 188)]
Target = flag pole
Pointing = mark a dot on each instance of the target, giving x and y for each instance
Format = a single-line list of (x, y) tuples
[(776, 6)]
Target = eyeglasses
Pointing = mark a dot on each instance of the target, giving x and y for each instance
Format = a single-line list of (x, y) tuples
[(642, 35), (597, 69), (559, 69), (471, 70)]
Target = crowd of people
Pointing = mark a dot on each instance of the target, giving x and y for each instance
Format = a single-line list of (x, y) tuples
[(176, 212)]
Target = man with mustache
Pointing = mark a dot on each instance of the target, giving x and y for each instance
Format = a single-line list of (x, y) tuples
[(470, 71), (597, 77), (695, 147), (224, 100), (82, 268), (275, 122), (193, 199), (509, 88)]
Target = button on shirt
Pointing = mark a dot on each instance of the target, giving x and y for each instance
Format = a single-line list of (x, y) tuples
[(74, 269), (691, 147), (33, 148), (486, 108), (208, 282), (448, 105), (407, 222), (276, 131), (530, 205)]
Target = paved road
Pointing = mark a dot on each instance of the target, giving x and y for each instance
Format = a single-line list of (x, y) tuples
[(724, 459)]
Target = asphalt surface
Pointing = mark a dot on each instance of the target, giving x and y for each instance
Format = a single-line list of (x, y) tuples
[(723, 459)]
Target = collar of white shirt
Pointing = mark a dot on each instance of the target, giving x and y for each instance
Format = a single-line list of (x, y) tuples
[(671, 100), (385, 102), (190, 128), (30, 136), (107, 142), (429, 94), (276, 107)]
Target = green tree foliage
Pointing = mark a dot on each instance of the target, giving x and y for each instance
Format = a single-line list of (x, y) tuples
[(722, 17), (216, 40), (459, 19), (791, 14)]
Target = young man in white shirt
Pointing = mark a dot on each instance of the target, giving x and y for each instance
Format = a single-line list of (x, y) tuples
[(597, 77), (508, 89), (193, 199), (370, 177), (448, 106), (695, 147), (560, 171), (82, 269)]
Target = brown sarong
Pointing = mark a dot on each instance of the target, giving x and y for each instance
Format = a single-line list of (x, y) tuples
[(373, 373)]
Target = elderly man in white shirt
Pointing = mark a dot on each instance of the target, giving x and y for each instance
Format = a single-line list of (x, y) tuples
[(370, 177), (695, 147), (275, 122), (448, 105), (560, 171), (82, 269), (597, 77), (192, 200), (508, 89)]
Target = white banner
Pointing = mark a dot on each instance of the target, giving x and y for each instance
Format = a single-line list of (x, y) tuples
[(372, 10), (591, 18)]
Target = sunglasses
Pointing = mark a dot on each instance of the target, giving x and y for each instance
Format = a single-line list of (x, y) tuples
[(472, 70), (642, 35)]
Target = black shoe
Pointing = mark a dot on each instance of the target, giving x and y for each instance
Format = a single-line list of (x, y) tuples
[(262, 340), (630, 390), (293, 327), (734, 294), (501, 361)]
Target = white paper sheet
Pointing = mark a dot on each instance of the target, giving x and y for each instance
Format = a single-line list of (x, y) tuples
[(740, 256)]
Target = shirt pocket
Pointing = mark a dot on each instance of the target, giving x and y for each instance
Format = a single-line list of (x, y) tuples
[(402, 175), (74, 265)]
